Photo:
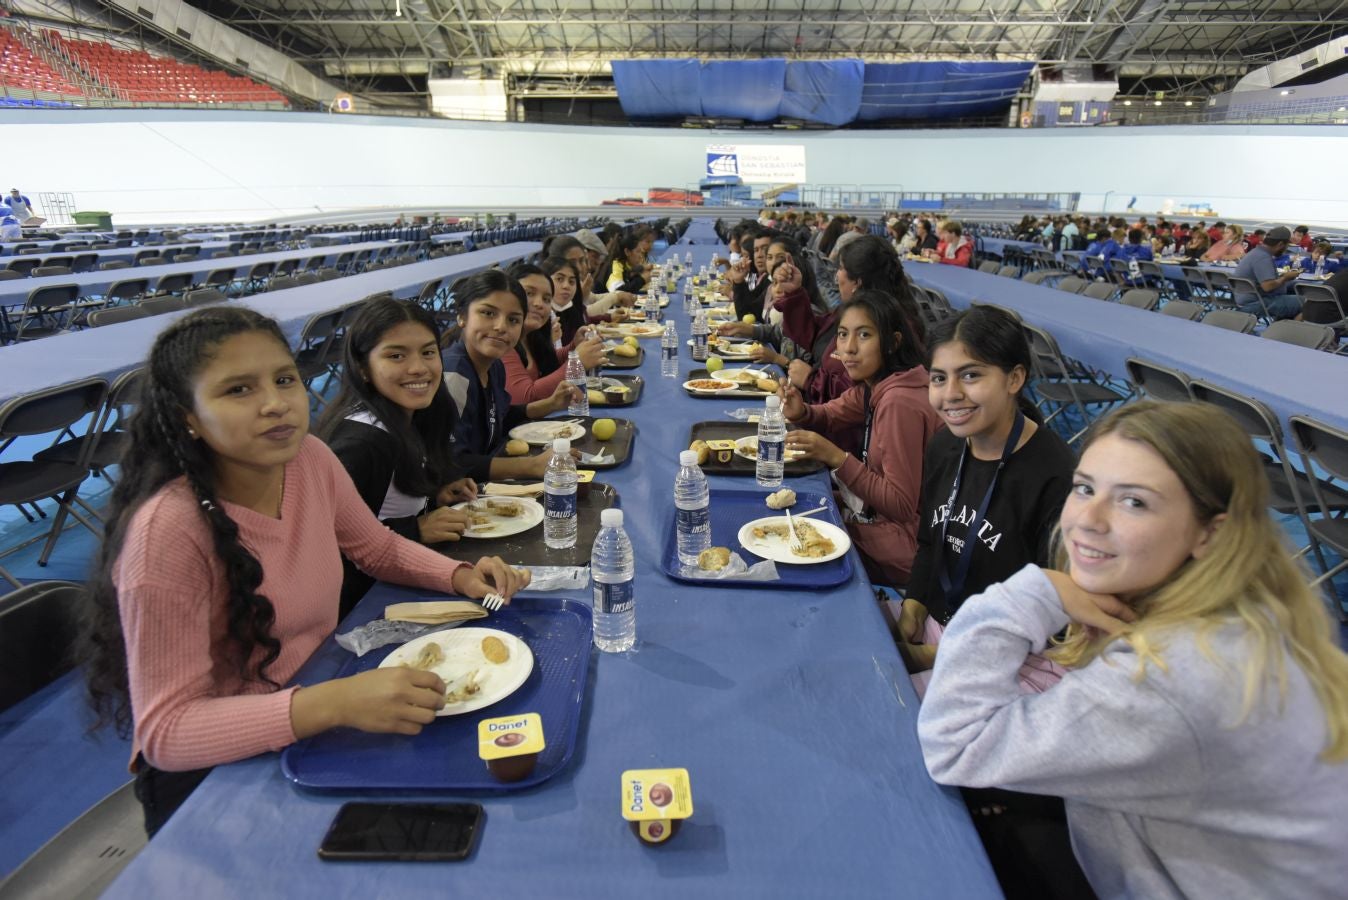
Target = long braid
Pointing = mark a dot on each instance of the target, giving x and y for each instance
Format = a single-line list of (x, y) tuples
[(158, 451)]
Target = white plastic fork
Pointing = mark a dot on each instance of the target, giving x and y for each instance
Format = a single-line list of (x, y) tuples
[(797, 545), (492, 602)]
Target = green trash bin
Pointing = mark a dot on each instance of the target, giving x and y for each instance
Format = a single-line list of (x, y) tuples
[(98, 219)]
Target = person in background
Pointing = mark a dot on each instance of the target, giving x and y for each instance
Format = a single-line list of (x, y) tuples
[(1301, 237), (1320, 260), (1255, 239), (926, 237), (598, 305), (391, 427), (538, 365), (1136, 250), (491, 311), (954, 248), (881, 484), (1161, 246), (1071, 233), (1215, 231), (1200, 739), (10, 229), (1230, 248), (626, 268), (20, 207), (1194, 248), (217, 576), (831, 234), (749, 284), (859, 227), (1110, 248), (1260, 266)]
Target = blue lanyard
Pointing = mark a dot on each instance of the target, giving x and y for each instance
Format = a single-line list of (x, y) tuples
[(952, 585)]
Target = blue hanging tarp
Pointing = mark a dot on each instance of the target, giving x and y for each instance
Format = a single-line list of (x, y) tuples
[(658, 88), (940, 90), (827, 92), (748, 89)]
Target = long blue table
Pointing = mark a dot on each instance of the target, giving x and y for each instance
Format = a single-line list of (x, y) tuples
[(1289, 379), (15, 293), (128, 254), (998, 246), (113, 349), (790, 709)]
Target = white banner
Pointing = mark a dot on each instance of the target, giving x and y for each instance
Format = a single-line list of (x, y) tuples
[(757, 162)]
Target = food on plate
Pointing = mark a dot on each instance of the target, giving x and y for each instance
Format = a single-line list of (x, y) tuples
[(816, 545), (713, 559), (495, 650), (709, 384), (604, 429), (460, 689), (626, 350), (740, 376), (782, 499), (702, 450), (767, 384), (516, 448), (503, 508), (430, 656), (596, 396)]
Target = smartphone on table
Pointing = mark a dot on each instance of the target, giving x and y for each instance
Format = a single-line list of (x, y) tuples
[(415, 832)]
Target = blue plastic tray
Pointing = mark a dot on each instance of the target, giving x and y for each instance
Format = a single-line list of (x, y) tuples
[(444, 756), (730, 510)]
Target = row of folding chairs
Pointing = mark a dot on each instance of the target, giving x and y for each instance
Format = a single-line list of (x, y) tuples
[(1315, 492), (86, 421)]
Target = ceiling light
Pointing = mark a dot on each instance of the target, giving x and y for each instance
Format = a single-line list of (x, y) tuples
[(1157, 103), (1127, 103), (1188, 103), (1284, 93)]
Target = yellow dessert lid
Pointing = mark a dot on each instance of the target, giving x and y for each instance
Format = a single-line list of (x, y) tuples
[(510, 736), (655, 794)]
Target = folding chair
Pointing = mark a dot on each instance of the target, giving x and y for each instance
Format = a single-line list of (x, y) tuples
[(1009, 271), (1302, 334), (1072, 284), (49, 411), (1231, 320), (173, 284), (1157, 381), (328, 274), (1196, 281), (305, 278), (429, 297), (51, 271), (61, 261), (106, 441), (1072, 259), (286, 267), (1154, 277), (1065, 384), (156, 305), (46, 311), (1287, 485), (1041, 276), (1324, 447), (1246, 287), (316, 355), (257, 277), (939, 302), (284, 282), (126, 291), (84, 262), (155, 260), (1099, 290), (1320, 303), (113, 264), (1183, 309), (39, 625), (114, 315), (1219, 290), (23, 266), (989, 267), (220, 278), (204, 297), (1141, 298)]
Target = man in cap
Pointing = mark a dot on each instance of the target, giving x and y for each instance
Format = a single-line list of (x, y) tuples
[(1258, 266), (20, 206)]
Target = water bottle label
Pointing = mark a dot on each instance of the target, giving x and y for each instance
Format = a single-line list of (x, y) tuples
[(699, 342), (694, 521), (771, 451), (559, 506), (669, 352), (613, 598)]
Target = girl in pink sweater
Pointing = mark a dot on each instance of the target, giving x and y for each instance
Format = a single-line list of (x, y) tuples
[(882, 489), (221, 568)]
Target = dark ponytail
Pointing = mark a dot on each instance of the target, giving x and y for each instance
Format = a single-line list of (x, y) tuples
[(888, 319), (160, 450), (539, 341), (993, 337)]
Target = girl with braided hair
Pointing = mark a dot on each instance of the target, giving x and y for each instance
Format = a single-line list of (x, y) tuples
[(221, 567)]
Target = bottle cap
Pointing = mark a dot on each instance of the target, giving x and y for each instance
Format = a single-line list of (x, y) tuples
[(561, 445), (773, 401), (687, 458), (611, 518)]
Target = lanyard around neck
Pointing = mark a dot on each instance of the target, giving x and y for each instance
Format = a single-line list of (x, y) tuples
[(953, 584)]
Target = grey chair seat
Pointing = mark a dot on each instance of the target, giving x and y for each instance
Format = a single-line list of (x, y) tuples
[(29, 480), (81, 861)]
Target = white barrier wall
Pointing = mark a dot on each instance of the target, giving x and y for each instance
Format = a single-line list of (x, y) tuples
[(186, 166)]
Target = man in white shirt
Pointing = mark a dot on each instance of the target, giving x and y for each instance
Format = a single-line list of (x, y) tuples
[(20, 206)]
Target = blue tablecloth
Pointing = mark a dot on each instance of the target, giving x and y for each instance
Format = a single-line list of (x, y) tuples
[(15, 293), (791, 710), (127, 254), (1289, 379), (112, 349), (998, 246)]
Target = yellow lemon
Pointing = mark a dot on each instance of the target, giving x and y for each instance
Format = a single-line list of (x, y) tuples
[(748, 319), (714, 363), (630, 341), (603, 429)]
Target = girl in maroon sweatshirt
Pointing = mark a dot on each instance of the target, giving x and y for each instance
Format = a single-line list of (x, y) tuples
[(881, 489)]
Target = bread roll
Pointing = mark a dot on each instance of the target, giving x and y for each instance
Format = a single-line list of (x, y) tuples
[(626, 350), (702, 450), (517, 448)]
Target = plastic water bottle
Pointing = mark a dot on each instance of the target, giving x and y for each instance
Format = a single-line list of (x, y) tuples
[(669, 351), (559, 498), (1320, 266), (688, 259), (612, 569), (652, 305), (700, 332), (692, 502), (771, 444), (575, 373)]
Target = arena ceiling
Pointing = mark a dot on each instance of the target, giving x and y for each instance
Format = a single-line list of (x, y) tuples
[(1179, 46)]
